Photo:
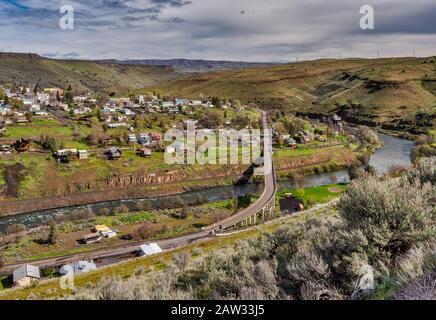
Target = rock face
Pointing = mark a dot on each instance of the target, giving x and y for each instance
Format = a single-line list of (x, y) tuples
[(145, 179)]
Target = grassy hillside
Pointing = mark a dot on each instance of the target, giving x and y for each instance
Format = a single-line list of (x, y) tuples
[(84, 76), (398, 93)]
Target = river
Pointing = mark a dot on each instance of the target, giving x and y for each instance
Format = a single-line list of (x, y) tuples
[(394, 151)]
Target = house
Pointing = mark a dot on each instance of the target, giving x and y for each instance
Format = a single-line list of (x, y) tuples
[(63, 154), (117, 125), (149, 249), (54, 91), (290, 142), (27, 101), (132, 138), (82, 111), (78, 267), (41, 113), (168, 106), (128, 112), (91, 238), (25, 275), (113, 153), (43, 98), (291, 204), (119, 118), (304, 136), (21, 119), (144, 152), (156, 137), (105, 231), (5, 149), (35, 107), (82, 154), (144, 138)]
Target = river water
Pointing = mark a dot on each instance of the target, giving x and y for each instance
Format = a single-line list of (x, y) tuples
[(394, 151)]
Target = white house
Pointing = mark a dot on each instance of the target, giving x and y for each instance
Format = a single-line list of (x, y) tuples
[(149, 249), (25, 275), (117, 125), (43, 98), (35, 107), (82, 154), (27, 101)]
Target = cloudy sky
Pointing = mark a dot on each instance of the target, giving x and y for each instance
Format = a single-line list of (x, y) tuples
[(249, 30)]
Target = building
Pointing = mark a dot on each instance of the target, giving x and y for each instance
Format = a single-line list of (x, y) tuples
[(144, 138), (105, 231), (78, 267), (5, 149), (43, 98), (91, 238), (156, 137), (132, 138), (117, 125), (113, 153), (144, 152), (82, 154), (25, 275), (290, 142), (21, 119), (54, 91), (149, 249), (41, 113), (27, 101)]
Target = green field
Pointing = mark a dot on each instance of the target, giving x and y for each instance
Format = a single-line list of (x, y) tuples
[(35, 131), (321, 194)]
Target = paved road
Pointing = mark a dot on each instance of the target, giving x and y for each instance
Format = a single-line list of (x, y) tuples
[(267, 195)]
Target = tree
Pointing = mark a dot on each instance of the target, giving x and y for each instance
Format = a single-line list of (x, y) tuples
[(69, 98), (2, 260), (36, 89), (49, 143), (52, 234), (216, 102)]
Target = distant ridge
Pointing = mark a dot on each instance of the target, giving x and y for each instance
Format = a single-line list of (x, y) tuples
[(188, 65)]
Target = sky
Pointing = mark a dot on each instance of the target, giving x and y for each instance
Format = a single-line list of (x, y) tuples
[(242, 30)]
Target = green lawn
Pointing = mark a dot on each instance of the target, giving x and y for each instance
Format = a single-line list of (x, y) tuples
[(321, 194), (29, 131), (45, 121), (301, 151)]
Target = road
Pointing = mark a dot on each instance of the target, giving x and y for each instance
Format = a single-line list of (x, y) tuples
[(268, 194)]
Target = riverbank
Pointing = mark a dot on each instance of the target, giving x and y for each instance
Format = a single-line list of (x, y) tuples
[(288, 162)]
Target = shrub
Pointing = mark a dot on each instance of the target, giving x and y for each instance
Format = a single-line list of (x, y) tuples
[(121, 209), (15, 228), (391, 214)]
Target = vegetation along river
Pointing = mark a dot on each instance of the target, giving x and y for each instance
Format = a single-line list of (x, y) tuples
[(395, 151)]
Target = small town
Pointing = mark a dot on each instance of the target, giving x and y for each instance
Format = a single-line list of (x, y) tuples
[(217, 155)]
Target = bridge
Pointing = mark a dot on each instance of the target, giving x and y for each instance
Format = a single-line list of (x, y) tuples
[(261, 210)]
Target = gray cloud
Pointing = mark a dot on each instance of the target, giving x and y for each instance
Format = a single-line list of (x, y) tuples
[(254, 30)]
